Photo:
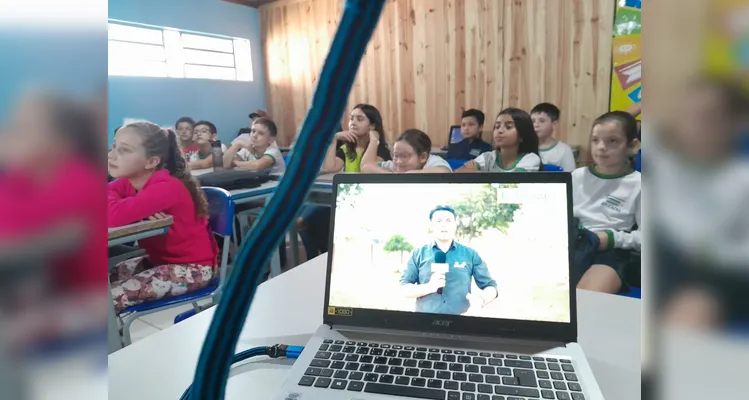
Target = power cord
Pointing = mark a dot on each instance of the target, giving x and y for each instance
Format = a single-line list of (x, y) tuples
[(275, 351), (355, 28)]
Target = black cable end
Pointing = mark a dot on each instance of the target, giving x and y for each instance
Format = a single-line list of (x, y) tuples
[(276, 351)]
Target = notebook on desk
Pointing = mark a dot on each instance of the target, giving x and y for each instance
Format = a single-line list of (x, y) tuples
[(453, 292)]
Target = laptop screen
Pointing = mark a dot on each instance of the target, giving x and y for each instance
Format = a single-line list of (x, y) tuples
[(472, 249), (456, 136)]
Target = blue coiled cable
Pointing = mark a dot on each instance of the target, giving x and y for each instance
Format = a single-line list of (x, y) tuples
[(328, 103), (275, 351)]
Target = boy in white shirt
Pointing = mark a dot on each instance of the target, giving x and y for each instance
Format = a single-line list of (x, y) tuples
[(545, 118), (606, 199), (256, 151)]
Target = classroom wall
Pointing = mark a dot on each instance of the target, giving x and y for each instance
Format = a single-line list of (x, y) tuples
[(430, 59), (164, 100)]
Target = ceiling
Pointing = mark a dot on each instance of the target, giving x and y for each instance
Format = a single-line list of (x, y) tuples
[(251, 3)]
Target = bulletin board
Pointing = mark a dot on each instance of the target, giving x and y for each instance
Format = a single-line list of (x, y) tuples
[(726, 45), (626, 74)]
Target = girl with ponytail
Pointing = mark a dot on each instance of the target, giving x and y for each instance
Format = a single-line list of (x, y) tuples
[(152, 181)]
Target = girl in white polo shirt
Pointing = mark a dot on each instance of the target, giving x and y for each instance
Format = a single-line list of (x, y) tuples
[(606, 200), (410, 154), (516, 146)]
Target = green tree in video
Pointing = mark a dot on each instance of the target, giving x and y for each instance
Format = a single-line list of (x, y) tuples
[(398, 244), (347, 194), (483, 211)]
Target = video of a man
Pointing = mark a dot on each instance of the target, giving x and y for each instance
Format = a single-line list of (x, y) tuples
[(485, 250)]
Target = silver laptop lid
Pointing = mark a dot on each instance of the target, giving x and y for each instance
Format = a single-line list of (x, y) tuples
[(481, 254)]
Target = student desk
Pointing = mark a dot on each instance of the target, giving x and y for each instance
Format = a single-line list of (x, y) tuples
[(288, 309), (127, 234)]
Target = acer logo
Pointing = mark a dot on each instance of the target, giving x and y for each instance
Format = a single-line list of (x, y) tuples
[(441, 322)]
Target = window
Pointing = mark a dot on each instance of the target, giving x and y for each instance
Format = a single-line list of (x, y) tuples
[(142, 50)]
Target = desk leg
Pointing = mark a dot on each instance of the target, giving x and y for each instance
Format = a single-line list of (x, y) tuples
[(294, 242), (113, 331), (275, 264)]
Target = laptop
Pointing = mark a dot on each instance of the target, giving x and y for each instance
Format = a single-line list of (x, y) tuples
[(455, 135), (447, 287)]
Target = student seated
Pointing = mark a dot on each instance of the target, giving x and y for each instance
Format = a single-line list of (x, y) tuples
[(471, 126), (347, 150), (205, 134), (545, 118), (153, 182), (50, 217), (606, 200), (259, 152), (410, 154), (184, 127), (516, 146)]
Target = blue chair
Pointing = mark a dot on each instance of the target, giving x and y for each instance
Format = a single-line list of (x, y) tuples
[(286, 159), (638, 161), (455, 164), (634, 292), (552, 168), (221, 217)]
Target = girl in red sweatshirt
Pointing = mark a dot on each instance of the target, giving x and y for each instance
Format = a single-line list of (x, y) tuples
[(153, 181)]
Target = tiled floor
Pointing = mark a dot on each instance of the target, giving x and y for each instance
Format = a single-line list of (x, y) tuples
[(152, 323)]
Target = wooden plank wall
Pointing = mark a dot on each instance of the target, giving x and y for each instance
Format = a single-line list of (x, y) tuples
[(430, 59)]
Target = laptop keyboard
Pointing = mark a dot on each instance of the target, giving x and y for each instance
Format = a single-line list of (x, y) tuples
[(440, 373)]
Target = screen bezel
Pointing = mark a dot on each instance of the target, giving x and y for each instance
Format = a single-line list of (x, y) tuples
[(493, 327)]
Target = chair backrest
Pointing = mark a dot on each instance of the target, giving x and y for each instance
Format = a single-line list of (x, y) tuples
[(638, 161), (455, 164), (220, 210), (552, 168), (286, 159)]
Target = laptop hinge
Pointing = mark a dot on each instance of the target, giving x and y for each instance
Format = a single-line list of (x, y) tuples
[(414, 335)]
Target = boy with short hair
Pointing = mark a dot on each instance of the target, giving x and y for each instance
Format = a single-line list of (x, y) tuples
[(545, 118), (204, 134), (471, 125)]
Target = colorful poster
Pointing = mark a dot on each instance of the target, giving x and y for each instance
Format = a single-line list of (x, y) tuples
[(726, 45), (626, 55)]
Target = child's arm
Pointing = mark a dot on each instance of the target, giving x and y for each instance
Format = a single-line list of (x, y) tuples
[(265, 163), (202, 164), (369, 162), (434, 165), (477, 164), (611, 239), (155, 198), (332, 163), (231, 155), (470, 166)]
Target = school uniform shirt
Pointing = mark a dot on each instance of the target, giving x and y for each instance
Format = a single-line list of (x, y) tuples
[(188, 240), (279, 166), (464, 263), (609, 203), (467, 149), (491, 162), (355, 164), (189, 151), (700, 208), (196, 156), (559, 154), (432, 162)]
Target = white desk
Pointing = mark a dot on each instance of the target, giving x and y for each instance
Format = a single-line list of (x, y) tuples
[(288, 309)]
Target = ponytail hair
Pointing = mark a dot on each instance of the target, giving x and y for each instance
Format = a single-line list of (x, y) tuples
[(163, 143)]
